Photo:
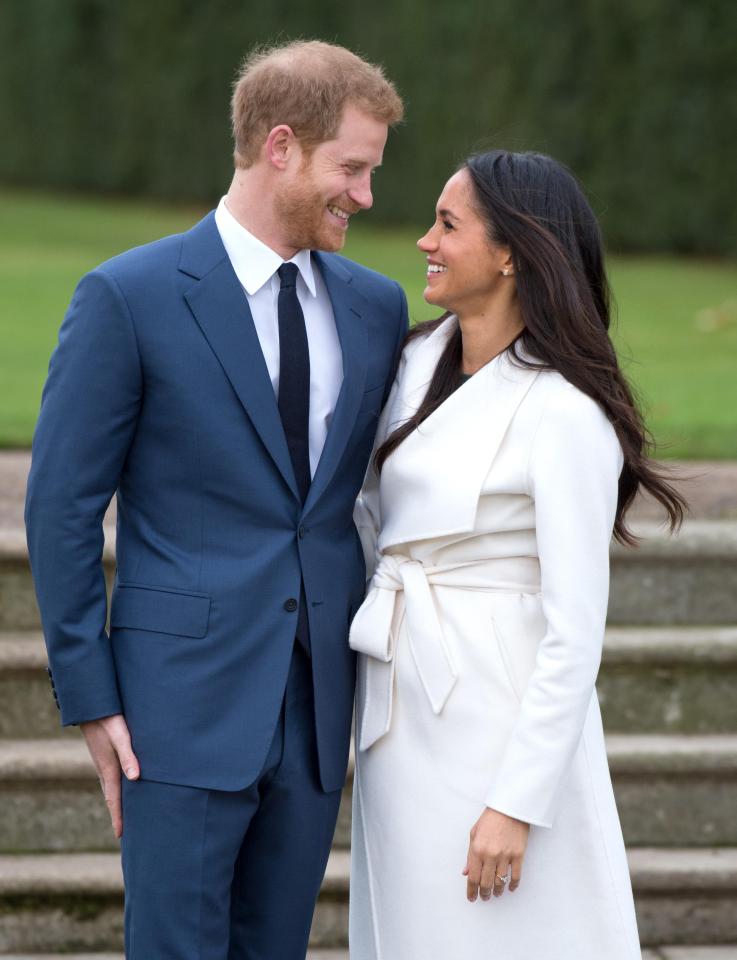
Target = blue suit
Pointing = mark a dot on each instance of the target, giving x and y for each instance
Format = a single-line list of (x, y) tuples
[(158, 391)]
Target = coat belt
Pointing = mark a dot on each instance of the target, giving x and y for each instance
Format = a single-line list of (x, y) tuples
[(372, 630)]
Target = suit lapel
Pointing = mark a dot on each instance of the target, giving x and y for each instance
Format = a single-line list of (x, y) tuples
[(221, 309), (349, 307)]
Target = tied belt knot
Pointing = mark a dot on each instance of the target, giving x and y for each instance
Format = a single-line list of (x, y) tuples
[(371, 633), (374, 627)]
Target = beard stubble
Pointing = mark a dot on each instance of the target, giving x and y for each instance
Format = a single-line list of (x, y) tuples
[(302, 209)]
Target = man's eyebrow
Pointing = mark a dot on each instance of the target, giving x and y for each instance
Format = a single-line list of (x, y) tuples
[(360, 162)]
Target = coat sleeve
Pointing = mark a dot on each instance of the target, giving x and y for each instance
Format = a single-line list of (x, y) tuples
[(89, 411), (574, 465)]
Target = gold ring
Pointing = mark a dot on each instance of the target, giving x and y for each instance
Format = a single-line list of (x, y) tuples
[(502, 880)]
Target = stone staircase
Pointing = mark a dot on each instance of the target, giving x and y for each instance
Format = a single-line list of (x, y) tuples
[(668, 687)]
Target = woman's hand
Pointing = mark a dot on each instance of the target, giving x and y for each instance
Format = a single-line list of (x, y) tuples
[(497, 844)]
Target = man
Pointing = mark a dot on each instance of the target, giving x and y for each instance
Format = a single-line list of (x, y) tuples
[(226, 384)]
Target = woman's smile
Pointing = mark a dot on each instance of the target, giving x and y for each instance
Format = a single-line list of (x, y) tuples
[(435, 269)]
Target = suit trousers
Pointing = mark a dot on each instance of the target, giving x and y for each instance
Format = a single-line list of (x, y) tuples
[(216, 875)]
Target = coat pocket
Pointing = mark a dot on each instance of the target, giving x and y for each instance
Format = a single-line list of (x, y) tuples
[(504, 657), (519, 625), (160, 611)]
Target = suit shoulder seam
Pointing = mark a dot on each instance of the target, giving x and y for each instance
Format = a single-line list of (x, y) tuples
[(119, 294)]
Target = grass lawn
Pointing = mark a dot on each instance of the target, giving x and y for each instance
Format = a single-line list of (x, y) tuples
[(676, 333)]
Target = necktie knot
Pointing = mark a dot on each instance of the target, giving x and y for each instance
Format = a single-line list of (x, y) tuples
[(288, 275)]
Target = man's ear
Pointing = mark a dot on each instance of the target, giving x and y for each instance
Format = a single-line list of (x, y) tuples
[(280, 146)]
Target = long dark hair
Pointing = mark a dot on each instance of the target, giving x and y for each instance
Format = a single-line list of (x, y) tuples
[(534, 205)]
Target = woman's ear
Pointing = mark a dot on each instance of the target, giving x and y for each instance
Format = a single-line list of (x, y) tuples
[(507, 265)]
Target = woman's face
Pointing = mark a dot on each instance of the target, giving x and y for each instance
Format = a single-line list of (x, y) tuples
[(464, 269)]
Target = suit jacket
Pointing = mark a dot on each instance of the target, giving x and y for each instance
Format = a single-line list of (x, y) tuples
[(158, 391)]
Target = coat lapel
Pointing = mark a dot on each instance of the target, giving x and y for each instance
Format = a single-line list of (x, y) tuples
[(349, 307), (431, 484), (221, 309)]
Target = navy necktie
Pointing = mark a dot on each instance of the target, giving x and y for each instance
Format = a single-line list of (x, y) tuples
[(294, 402), (294, 377)]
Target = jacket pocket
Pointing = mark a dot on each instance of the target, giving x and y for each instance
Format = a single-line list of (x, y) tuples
[(160, 611)]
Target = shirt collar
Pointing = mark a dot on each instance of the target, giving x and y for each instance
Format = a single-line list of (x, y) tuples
[(253, 261)]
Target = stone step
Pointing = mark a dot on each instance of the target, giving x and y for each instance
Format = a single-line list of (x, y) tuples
[(690, 578), (710, 486), (670, 789), (336, 954), (685, 896), (74, 902), (720, 952), (652, 679), (723, 952), (717, 952), (18, 609), (51, 800), (27, 707), (675, 790), (670, 679)]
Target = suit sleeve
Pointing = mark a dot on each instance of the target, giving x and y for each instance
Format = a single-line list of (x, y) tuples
[(366, 515), (89, 411), (402, 331), (574, 467), (367, 512)]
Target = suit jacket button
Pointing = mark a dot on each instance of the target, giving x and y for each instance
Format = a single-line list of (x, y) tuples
[(301, 533), (291, 605)]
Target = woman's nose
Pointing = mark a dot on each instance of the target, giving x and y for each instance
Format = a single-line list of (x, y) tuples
[(426, 243)]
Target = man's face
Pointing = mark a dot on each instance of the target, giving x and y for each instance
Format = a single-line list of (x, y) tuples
[(331, 183)]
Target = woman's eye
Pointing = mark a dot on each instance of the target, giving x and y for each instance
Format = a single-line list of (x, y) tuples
[(448, 225)]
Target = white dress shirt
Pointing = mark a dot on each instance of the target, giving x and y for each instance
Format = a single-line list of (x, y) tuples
[(256, 267)]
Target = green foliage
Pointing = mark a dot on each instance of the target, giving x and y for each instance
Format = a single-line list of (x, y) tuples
[(637, 96), (676, 335)]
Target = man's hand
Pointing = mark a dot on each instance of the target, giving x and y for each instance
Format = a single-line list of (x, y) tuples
[(497, 845), (109, 744)]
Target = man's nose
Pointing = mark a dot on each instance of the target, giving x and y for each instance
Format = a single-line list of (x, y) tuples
[(361, 193)]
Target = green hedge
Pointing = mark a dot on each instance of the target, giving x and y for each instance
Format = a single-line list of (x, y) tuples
[(638, 96)]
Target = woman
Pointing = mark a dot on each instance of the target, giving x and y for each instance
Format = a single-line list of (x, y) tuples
[(509, 451)]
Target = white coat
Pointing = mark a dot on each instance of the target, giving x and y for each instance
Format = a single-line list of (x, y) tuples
[(480, 641)]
